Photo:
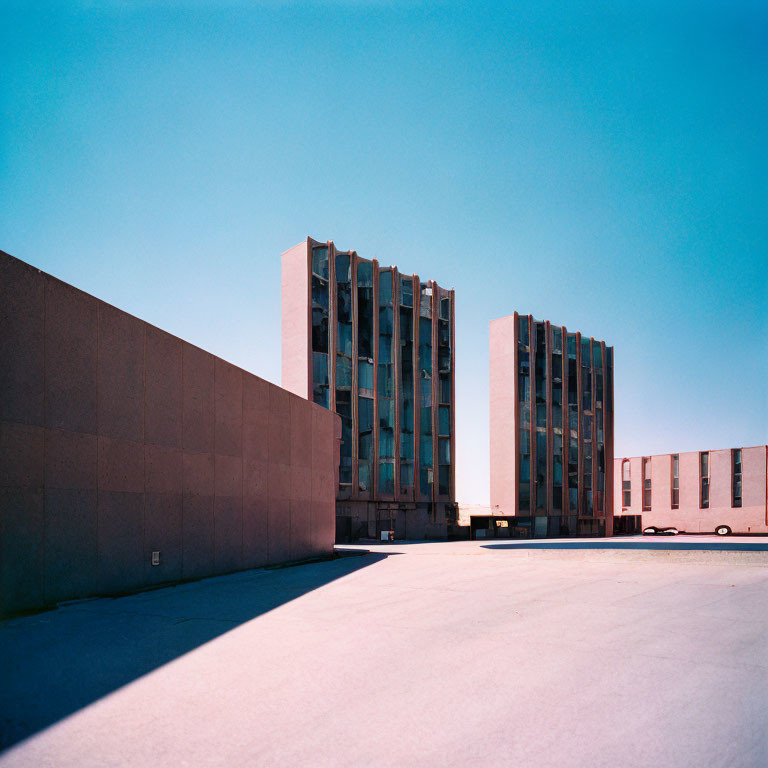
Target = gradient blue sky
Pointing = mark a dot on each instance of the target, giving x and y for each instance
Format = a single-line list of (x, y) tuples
[(601, 165)]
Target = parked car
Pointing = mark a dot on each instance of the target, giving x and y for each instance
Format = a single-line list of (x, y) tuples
[(653, 530)]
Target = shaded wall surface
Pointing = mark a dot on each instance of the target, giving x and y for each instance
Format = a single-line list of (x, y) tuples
[(118, 440)]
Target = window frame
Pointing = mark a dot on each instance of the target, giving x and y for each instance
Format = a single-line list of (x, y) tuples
[(626, 501), (674, 481), (704, 481), (647, 483), (734, 475)]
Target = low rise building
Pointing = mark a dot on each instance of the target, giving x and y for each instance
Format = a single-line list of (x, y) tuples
[(719, 491)]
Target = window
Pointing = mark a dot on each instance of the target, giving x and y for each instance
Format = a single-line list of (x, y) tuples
[(524, 412), (557, 380), (444, 373), (320, 305), (344, 409), (386, 428), (586, 482), (586, 375), (704, 480), (522, 331), (676, 481), (406, 389), (365, 312), (424, 374), (557, 473), (597, 359), (540, 376), (320, 378), (524, 498), (646, 484), (573, 391), (585, 435), (626, 485), (365, 377), (344, 362), (386, 477), (444, 420), (365, 442), (599, 424), (523, 373), (736, 477), (573, 475), (524, 388), (406, 291), (540, 388), (385, 383), (541, 470)]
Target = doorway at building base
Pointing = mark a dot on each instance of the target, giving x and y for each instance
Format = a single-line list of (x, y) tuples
[(414, 521), (493, 527)]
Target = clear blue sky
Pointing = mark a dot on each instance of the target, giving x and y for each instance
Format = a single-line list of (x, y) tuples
[(601, 165)]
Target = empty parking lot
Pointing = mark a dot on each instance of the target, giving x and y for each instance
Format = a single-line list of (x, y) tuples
[(492, 653)]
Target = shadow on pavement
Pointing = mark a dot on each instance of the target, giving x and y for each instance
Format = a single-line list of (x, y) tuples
[(55, 663), (737, 546)]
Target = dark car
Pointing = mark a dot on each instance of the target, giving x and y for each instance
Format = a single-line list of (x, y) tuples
[(653, 530)]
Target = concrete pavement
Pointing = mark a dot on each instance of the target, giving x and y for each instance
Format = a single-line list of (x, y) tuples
[(484, 653)]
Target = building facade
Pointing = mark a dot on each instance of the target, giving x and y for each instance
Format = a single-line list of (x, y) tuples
[(699, 491), (551, 429), (377, 347), (130, 458)]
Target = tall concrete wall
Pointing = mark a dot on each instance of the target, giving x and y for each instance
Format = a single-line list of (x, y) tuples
[(295, 320), (502, 409), (118, 440)]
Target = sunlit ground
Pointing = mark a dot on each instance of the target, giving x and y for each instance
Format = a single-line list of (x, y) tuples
[(466, 653)]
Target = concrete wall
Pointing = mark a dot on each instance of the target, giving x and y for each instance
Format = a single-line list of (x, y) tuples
[(751, 517), (502, 405), (295, 309), (118, 439)]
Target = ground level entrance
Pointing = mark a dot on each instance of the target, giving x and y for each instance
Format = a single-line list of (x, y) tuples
[(540, 527), (356, 520), (624, 525)]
